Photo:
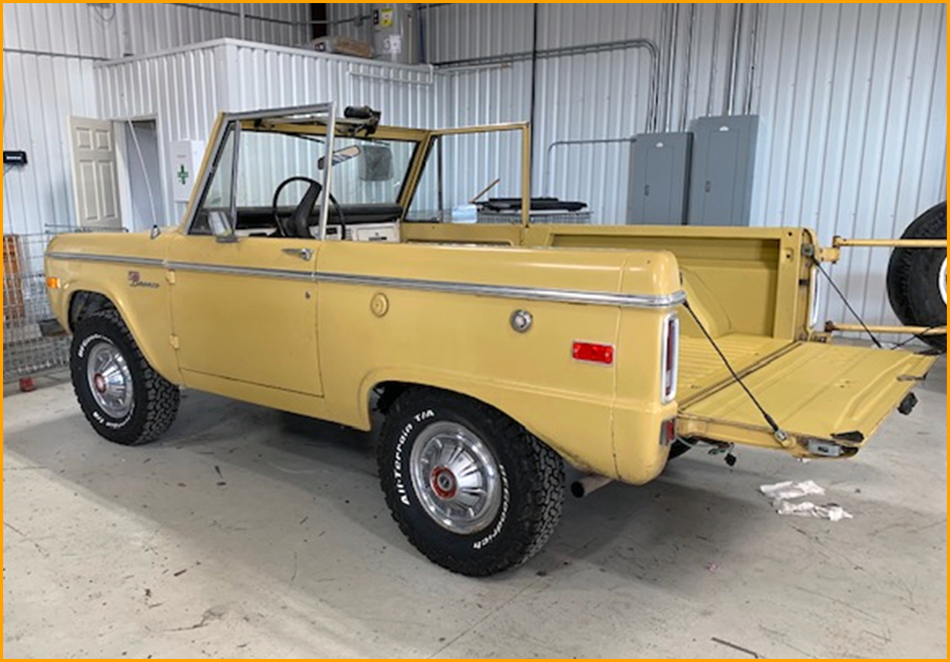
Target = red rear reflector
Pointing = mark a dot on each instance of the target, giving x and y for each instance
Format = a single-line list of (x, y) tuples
[(588, 351), (668, 432)]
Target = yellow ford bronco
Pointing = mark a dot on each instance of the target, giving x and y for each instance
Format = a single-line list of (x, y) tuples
[(317, 270)]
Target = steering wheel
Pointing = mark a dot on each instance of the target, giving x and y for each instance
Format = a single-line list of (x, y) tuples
[(298, 223)]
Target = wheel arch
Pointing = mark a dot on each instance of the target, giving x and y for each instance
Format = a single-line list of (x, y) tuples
[(83, 300), (83, 303), (504, 398)]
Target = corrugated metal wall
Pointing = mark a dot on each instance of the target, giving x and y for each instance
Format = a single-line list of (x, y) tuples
[(48, 74), (852, 100), (155, 27), (854, 142)]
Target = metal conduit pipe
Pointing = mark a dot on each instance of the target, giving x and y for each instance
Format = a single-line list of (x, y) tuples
[(730, 95), (558, 143), (671, 66), (268, 19), (687, 75), (753, 59), (713, 71), (567, 51)]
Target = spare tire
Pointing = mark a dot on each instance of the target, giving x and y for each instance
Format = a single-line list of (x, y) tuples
[(917, 277)]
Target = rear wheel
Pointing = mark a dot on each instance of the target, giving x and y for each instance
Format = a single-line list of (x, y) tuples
[(123, 398), (917, 277), (470, 488)]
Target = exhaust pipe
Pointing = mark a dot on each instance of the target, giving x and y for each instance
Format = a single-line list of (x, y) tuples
[(583, 486)]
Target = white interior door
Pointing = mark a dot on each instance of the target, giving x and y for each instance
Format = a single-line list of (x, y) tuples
[(95, 178)]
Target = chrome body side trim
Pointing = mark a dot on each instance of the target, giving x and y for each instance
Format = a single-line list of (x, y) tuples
[(448, 287), (113, 259), (284, 274), (510, 292)]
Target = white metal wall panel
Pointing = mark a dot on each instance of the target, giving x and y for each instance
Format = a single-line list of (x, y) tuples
[(158, 26), (34, 120), (142, 28), (49, 53), (181, 90), (65, 28), (268, 76), (853, 143)]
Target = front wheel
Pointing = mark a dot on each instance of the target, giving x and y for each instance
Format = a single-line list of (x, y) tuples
[(470, 488), (122, 396)]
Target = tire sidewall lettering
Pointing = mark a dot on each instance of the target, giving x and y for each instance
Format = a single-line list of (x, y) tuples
[(401, 453), (84, 345), (414, 423), (97, 414), (502, 517)]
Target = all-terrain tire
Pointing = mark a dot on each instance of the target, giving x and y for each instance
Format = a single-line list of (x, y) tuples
[(914, 276), (529, 474), (154, 400)]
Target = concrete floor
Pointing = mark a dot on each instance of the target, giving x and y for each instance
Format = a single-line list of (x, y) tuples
[(250, 533)]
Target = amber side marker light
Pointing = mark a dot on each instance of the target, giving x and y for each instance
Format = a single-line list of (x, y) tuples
[(52, 282)]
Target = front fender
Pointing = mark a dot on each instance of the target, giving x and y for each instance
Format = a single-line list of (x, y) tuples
[(144, 308)]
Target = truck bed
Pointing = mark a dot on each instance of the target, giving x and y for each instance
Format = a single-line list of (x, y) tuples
[(752, 290), (701, 368)]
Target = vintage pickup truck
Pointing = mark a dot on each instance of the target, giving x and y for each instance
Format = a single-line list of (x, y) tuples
[(496, 352)]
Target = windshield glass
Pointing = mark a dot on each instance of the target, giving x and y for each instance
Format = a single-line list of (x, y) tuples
[(273, 169), (364, 170)]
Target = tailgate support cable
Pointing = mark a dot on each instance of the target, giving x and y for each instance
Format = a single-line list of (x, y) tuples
[(847, 303), (780, 435)]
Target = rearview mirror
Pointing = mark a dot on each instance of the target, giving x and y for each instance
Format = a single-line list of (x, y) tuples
[(376, 164)]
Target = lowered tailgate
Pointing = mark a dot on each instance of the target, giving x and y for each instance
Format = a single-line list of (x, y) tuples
[(828, 399)]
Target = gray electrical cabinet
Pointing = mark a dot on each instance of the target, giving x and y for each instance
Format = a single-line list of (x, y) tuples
[(720, 189), (659, 179)]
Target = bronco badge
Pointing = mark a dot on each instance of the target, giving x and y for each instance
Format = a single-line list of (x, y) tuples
[(135, 280)]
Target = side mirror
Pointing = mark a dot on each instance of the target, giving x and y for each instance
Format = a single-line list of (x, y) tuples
[(376, 164), (220, 227)]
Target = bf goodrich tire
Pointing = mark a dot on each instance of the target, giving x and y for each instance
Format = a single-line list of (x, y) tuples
[(917, 277), (470, 488), (122, 397)]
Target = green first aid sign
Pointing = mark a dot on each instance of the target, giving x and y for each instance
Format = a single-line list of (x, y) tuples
[(185, 157)]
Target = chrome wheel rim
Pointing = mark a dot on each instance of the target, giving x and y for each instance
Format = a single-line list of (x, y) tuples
[(942, 281), (110, 380), (455, 477)]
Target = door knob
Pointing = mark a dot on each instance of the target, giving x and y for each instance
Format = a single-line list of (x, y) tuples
[(303, 253)]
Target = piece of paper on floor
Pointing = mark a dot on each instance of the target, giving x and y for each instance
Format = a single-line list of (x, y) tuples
[(791, 490), (831, 511)]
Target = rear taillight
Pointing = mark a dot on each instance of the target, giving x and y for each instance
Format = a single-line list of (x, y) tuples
[(670, 363)]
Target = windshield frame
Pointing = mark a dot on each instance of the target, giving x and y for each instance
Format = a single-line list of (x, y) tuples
[(318, 120)]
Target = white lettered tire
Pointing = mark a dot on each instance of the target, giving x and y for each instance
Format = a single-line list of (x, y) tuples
[(470, 488), (121, 395)]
